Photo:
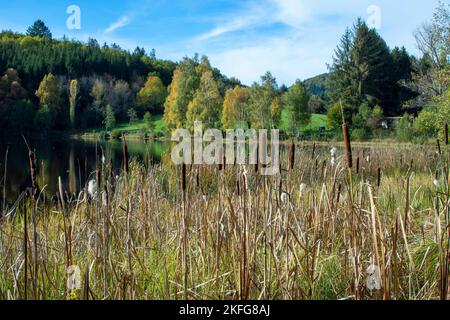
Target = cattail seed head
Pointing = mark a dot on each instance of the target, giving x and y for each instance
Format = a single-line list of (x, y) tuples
[(33, 168), (292, 156), (446, 134), (379, 177), (357, 165), (348, 147), (438, 147), (183, 177)]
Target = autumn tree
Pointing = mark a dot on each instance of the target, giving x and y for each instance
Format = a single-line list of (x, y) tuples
[(11, 92), (49, 95), (207, 103), (234, 111), (152, 96), (181, 92), (73, 98)]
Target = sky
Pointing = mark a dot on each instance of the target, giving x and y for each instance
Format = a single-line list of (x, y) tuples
[(294, 39)]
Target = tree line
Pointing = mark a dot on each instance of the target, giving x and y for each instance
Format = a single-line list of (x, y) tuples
[(50, 84)]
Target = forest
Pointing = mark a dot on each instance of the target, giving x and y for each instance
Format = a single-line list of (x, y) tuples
[(66, 85)]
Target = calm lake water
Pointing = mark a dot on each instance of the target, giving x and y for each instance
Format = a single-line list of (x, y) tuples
[(72, 160)]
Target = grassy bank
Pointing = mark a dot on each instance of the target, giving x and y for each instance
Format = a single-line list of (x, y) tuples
[(135, 130)]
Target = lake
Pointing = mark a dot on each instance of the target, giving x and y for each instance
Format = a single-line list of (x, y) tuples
[(72, 160)]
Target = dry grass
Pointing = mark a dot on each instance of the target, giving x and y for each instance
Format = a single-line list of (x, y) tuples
[(233, 234)]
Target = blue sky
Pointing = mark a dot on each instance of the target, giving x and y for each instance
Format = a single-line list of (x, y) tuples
[(294, 39)]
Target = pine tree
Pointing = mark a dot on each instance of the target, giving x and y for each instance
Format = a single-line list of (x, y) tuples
[(39, 29), (110, 118), (361, 71)]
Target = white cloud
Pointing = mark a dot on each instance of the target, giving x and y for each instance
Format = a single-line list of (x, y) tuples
[(122, 22), (289, 58)]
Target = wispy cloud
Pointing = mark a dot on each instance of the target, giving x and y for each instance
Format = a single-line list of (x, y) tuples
[(234, 25), (122, 22)]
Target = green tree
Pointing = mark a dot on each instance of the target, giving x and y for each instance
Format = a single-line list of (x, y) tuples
[(362, 71), (296, 101), (110, 118), (262, 96), (132, 115), (152, 96), (148, 121), (39, 29)]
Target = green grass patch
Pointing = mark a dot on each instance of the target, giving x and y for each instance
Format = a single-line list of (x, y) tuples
[(317, 121)]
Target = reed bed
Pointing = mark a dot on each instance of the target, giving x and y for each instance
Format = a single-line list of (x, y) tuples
[(372, 224)]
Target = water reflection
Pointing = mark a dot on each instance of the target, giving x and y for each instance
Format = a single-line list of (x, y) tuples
[(73, 161)]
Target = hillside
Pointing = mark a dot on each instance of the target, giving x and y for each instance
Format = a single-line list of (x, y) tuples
[(317, 85)]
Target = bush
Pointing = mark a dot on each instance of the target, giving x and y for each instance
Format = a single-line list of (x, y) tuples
[(404, 130), (431, 120), (116, 134), (359, 134), (334, 116)]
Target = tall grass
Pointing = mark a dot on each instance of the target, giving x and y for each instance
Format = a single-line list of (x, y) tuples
[(204, 232)]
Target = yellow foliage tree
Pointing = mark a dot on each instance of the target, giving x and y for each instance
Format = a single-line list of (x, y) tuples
[(234, 113), (207, 103), (49, 94), (152, 96)]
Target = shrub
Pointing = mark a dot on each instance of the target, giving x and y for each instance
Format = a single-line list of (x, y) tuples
[(404, 130), (360, 134), (116, 134)]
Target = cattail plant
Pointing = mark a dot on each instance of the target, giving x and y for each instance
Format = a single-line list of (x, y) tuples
[(348, 147), (183, 178), (292, 156), (446, 134), (378, 177), (357, 165), (125, 156)]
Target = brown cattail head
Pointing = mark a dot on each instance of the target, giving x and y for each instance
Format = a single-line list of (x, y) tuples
[(33, 168), (438, 147), (379, 177), (357, 165), (446, 134), (183, 177), (125, 157), (313, 154), (221, 161), (339, 193), (292, 156), (348, 147), (256, 166)]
